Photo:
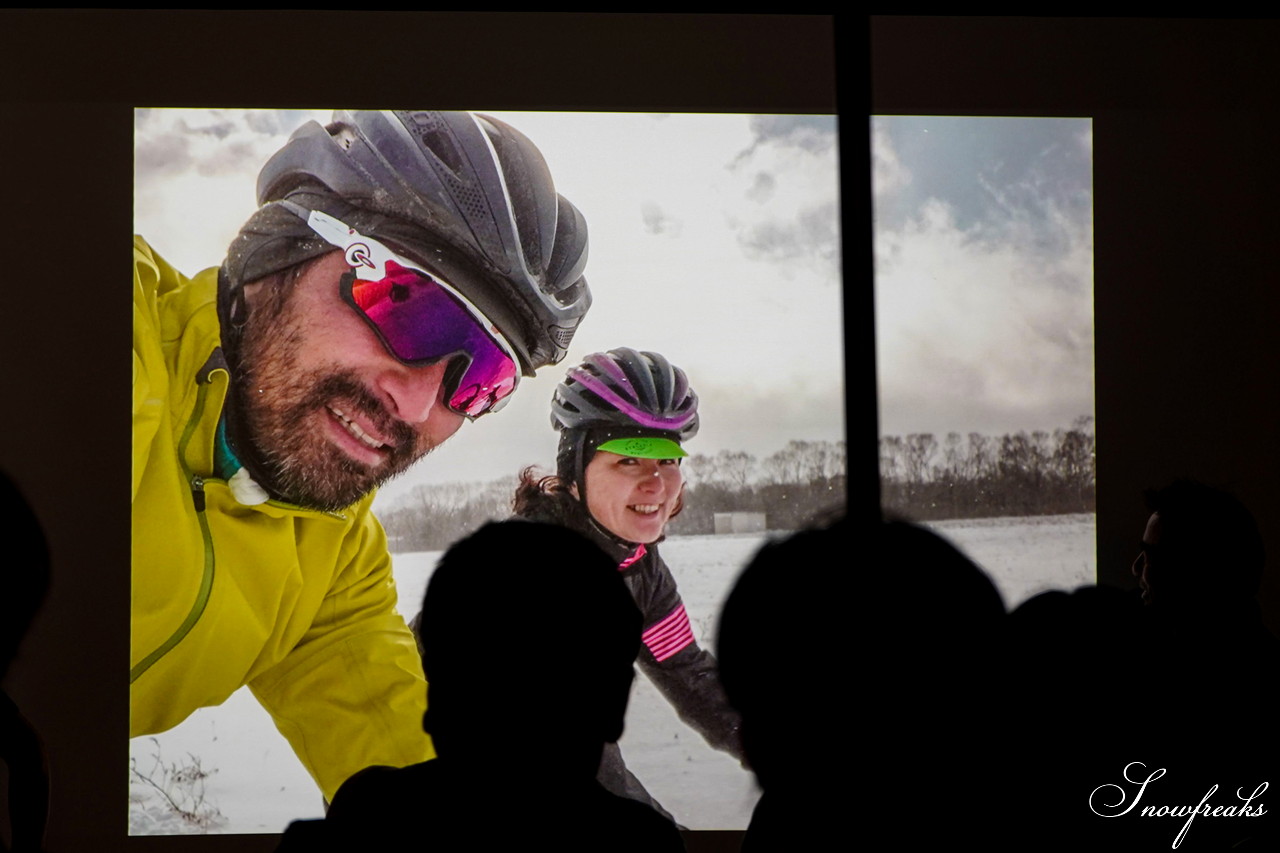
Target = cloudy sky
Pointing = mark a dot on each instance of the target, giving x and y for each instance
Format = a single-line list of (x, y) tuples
[(984, 273), (714, 240)]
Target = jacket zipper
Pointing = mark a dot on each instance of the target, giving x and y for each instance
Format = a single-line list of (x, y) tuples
[(206, 579)]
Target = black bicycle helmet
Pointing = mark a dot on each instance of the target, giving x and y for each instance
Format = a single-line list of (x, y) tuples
[(628, 389), (466, 195)]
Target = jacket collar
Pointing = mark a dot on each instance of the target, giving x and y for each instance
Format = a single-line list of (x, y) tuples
[(621, 551)]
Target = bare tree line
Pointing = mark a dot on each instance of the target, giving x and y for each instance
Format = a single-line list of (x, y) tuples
[(792, 486), (433, 517), (974, 476), (801, 482)]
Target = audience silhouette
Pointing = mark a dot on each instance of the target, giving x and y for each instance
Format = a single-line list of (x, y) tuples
[(25, 585), (1011, 731), (528, 635), (1181, 685), (788, 666), (933, 691), (1208, 662)]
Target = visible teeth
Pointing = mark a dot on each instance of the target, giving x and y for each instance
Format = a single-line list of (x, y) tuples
[(354, 429), (645, 508)]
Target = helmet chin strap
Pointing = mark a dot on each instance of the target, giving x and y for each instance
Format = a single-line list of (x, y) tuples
[(580, 469), (606, 532), (579, 491)]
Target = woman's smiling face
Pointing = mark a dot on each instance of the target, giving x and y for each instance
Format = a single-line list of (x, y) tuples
[(633, 498)]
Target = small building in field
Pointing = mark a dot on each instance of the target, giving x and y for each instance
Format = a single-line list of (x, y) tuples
[(740, 522)]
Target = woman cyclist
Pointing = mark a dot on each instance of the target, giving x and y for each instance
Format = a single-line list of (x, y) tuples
[(623, 416)]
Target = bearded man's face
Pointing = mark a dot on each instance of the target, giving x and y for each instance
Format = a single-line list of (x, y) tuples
[(330, 412)]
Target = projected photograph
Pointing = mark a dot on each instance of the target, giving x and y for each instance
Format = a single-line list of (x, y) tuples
[(714, 243), (984, 339)]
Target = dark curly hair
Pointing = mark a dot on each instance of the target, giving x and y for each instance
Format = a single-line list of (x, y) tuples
[(547, 498)]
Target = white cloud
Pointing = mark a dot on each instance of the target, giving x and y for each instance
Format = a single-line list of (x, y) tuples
[(887, 172), (981, 328)]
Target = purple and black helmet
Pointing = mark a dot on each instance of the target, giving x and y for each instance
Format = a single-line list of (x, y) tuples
[(632, 390)]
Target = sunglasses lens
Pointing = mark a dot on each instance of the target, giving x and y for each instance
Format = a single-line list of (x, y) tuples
[(487, 381), (420, 322)]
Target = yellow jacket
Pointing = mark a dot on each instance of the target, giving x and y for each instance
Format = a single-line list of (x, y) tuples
[(299, 605)]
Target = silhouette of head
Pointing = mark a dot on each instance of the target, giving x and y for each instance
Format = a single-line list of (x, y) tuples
[(1201, 547), (780, 644), (940, 622), (944, 590), (527, 628), (27, 577)]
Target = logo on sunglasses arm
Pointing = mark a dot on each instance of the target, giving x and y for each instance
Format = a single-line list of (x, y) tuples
[(357, 255)]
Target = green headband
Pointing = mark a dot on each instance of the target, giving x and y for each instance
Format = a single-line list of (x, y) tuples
[(644, 447)]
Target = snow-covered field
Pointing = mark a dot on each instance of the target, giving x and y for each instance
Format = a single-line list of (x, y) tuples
[(1027, 556), (230, 767)]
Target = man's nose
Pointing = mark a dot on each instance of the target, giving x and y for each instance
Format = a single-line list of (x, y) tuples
[(413, 391), (1136, 568)]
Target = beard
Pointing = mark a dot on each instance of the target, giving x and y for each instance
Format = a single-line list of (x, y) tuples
[(284, 408)]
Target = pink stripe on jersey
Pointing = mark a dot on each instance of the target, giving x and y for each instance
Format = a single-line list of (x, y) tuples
[(669, 636), (640, 552)]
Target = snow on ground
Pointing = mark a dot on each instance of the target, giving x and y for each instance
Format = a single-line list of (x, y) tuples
[(1028, 555), (256, 784), (230, 767)]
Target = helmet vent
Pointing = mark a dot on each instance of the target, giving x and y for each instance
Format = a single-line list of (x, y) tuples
[(343, 135), (439, 144), (442, 146), (567, 293), (561, 335)]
